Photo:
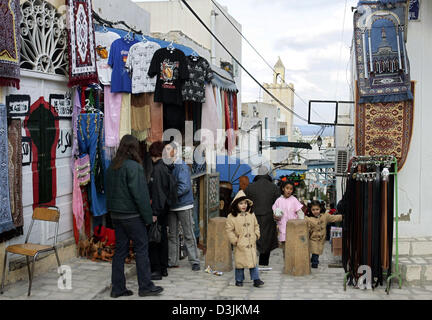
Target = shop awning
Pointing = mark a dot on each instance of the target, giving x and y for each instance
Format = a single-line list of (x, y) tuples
[(223, 80)]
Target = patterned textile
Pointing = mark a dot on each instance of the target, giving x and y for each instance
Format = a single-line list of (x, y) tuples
[(6, 222), (199, 74), (384, 129), (381, 57), (10, 43), (15, 173), (82, 52)]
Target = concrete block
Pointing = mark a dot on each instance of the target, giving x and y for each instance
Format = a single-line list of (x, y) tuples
[(421, 248), (297, 258), (428, 273), (219, 253), (413, 273), (404, 247)]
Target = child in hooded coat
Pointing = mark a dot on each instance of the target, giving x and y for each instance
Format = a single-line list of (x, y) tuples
[(243, 232)]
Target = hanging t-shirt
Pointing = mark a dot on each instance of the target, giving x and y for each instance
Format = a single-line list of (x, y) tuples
[(103, 47), (120, 79), (138, 64), (171, 70), (199, 73)]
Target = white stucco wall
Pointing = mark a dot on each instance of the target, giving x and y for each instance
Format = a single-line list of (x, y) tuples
[(124, 10), (415, 178)]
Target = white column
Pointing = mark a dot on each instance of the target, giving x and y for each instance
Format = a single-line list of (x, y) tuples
[(399, 51), (366, 69), (370, 50)]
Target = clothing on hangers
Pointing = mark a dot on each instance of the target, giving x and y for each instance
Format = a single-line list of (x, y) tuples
[(104, 41), (200, 73)]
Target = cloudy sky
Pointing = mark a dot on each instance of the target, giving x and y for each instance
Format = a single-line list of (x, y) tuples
[(312, 37)]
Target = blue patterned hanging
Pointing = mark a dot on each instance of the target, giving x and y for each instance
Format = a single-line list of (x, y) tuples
[(6, 222)]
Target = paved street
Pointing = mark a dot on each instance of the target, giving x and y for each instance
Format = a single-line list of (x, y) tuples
[(91, 281)]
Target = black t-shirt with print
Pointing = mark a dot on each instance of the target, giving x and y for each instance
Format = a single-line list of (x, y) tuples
[(199, 73), (171, 70)]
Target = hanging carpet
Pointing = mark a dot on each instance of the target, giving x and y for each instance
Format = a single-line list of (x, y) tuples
[(381, 57), (6, 222), (385, 129), (81, 43), (10, 43)]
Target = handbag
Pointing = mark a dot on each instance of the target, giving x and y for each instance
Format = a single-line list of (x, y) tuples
[(155, 232), (82, 165)]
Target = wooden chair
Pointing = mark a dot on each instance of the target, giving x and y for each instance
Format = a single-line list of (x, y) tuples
[(51, 214)]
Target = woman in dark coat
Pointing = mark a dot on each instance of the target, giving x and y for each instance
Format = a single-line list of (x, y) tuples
[(263, 192), (159, 188), (129, 205)]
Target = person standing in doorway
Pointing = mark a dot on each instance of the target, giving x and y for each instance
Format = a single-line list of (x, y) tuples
[(128, 202), (263, 193), (182, 211), (159, 187)]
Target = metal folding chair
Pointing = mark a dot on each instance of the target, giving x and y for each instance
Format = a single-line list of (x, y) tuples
[(51, 214)]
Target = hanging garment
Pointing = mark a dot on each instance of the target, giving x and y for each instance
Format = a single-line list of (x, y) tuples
[(210, 117), (6, 222), (15, 174), (216, 93), (90, 129), (171, 70), (76, 111), (81, 43), (10, 44), (77, 202), (125, 116), (140, 112), (103, 48), (200, 73), (174, 117), (381, 57), (157, 123), (112, 110), (138, 64), (120, 78), (235, 108)]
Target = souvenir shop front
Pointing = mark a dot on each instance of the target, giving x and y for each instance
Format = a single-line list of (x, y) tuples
[(70, 96)]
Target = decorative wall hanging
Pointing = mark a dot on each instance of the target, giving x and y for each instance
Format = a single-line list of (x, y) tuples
[(17, 105), (81, 41), (43, 128), (62, 104), (6, 222), (43, 38), (10, 43), (26, 151), (385, 129), (383, 68), (15, 174)]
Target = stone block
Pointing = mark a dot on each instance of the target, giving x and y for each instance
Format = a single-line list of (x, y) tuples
[(218, 252), (421, 248), (404, 247), (428, 273), (297, 258), (413, 273)]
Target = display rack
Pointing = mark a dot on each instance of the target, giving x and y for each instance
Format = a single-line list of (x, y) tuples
[(384, 160)]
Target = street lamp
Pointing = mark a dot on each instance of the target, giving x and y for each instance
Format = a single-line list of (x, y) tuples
[(319, 143)]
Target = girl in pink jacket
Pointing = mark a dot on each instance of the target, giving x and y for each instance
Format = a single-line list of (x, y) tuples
[(286, 207)]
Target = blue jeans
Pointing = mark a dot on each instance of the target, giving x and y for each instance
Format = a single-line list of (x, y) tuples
[(314, 258), (239, 274), (125, 230)]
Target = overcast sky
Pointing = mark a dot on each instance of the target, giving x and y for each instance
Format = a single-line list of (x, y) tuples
[(310, 36)]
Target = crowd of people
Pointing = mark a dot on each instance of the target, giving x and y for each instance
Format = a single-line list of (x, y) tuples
[(142, 211)]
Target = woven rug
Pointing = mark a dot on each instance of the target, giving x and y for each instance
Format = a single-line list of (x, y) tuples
[(381, 57), (10, 43), (81, 45), (384, 129), (6, 222)]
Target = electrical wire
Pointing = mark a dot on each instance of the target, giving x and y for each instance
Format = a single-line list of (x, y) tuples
[(265, 61), (241, 65)]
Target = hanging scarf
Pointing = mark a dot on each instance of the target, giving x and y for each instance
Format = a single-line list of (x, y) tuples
[(81, 42), (15, 174), (10, 43), (381, 57), (6, 222)]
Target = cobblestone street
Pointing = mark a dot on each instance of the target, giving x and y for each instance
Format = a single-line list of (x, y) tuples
[(91, 281)]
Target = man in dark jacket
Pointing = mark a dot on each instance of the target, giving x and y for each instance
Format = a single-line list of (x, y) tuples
[(159, 187), (263, 192), (181, 211)]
